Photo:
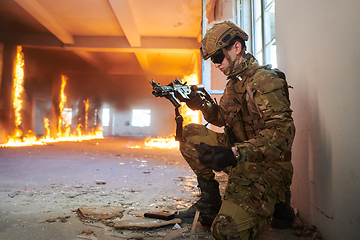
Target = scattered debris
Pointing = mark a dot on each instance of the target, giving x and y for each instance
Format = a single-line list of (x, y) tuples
[(51, 220), (12, 195), (134, 191), (160, 215), (99, 213), (304, 230), (100, 182), (88, 231), (63, 219), (176, 226), (135, 238), (87, 238), (143, 222), (60, 219), (97, 226), (135, 198), (73, 195), (176, 233)]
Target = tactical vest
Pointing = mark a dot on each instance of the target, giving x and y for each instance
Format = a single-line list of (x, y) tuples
[(243, 114)]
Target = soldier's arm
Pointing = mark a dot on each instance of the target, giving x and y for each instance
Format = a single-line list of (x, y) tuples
[(276, 139), (212, 113)]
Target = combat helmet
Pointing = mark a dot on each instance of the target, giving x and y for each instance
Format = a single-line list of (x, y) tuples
[(219, 36)]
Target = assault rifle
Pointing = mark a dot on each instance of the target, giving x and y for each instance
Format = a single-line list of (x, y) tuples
[(177, 92)]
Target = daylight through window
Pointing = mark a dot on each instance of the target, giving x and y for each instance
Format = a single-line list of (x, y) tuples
[(106, 117), (140, 118), (263, 22)]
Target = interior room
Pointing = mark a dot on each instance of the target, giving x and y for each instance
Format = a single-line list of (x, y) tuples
[(80, 125)]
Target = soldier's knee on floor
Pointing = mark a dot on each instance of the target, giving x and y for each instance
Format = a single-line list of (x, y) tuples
[(224, 227)]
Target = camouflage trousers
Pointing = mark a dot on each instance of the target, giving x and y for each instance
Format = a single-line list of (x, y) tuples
[(248, 201)]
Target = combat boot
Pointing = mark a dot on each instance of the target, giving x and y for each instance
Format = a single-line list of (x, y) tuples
[(284, 215), (209, 203)]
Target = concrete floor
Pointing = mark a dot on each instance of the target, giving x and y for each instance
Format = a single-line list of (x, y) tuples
[(51, 181)]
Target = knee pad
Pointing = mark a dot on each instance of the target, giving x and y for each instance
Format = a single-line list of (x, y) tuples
[(233, 222)]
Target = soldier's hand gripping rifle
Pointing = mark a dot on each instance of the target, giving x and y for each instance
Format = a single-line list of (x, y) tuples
[(178, 92)]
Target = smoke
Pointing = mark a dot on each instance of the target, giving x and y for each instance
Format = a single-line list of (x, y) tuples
[(123, 92)]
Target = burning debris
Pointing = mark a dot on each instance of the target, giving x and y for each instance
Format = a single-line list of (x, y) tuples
[(18, 139), (18, 89), (161, 143), (58, 128)]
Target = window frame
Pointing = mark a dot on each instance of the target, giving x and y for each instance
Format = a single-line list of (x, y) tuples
[(262, 54)]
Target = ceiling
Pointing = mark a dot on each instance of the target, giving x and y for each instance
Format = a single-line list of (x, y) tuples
[(118, 37)]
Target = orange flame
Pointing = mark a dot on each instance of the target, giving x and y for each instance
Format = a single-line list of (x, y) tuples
[(161, 143), (189, 116), (86, 113), (18, 82), (66, 135), (46, 125), (78, 129), (62, 135), (18, 85), (61, 104)]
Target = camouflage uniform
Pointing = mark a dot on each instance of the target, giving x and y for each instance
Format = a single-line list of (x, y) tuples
[(256, 107)]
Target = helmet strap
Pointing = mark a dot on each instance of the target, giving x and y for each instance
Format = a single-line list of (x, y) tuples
[(231, 63)]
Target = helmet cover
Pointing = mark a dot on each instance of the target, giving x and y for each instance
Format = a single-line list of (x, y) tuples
[(219, 36)]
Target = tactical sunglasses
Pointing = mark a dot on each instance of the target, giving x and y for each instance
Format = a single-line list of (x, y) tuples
[(218, 57)]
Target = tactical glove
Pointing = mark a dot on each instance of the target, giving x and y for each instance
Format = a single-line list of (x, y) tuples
[(215, 157), (195, 102)]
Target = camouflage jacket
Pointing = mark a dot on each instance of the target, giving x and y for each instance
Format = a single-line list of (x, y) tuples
[(256, 107)]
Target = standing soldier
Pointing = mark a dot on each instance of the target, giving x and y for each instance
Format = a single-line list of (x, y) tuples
[(255, 150)]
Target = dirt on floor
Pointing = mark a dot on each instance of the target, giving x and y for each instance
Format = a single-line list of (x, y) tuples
[(54, 191)]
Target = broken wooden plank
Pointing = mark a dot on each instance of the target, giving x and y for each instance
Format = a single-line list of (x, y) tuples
[(175, 233), (194, 223), (99, 213), (143, 222)]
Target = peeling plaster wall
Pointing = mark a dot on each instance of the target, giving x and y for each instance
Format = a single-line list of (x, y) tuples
[(318, 48)]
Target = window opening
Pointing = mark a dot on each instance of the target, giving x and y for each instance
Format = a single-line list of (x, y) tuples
[(264, 31), (106, 117), (67, 116), (140, 118)]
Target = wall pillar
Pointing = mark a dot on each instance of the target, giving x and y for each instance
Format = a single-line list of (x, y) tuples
[(33, 112), (8, 57), (55, 101), (111, 122)]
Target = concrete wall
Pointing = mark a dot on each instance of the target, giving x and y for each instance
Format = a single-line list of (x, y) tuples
[(162, 120), (318, 48)]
